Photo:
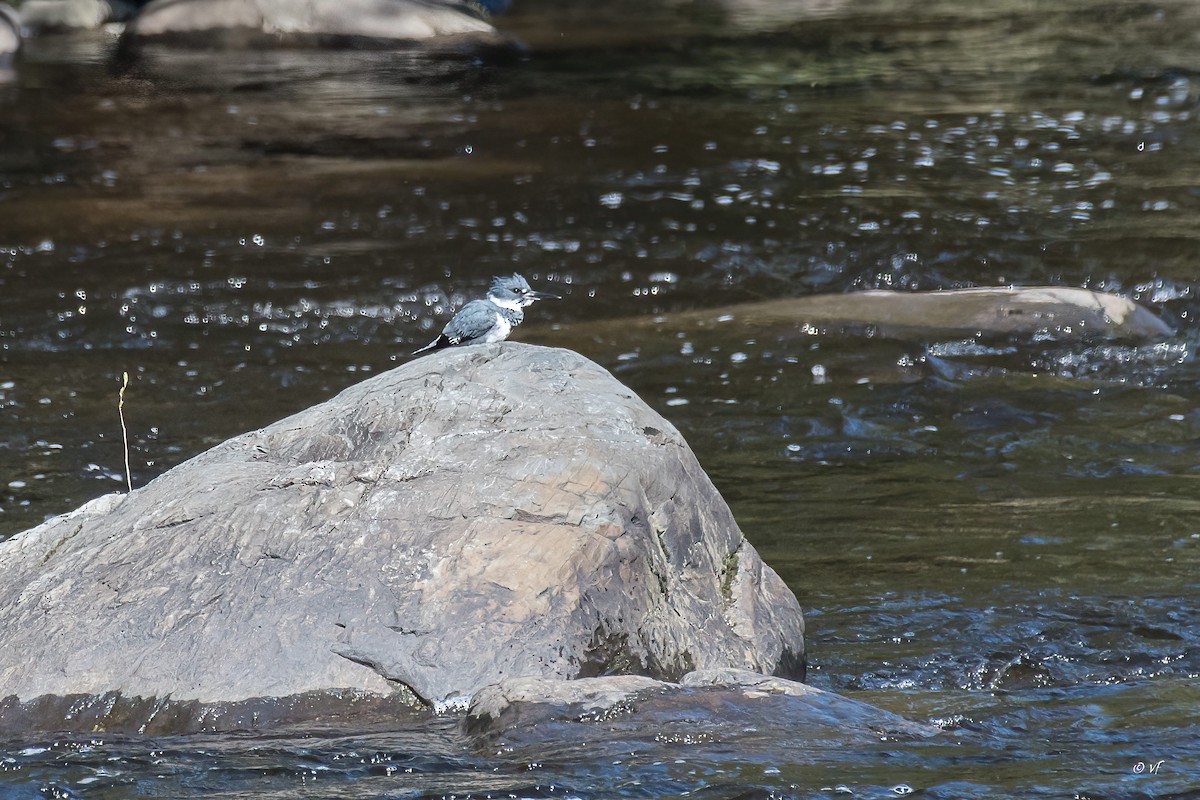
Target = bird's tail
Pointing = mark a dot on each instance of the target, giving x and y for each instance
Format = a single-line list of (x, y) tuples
[(438, 343)]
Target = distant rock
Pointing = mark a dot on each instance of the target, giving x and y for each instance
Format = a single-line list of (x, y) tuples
[(482, 513), (267, 22), (10, 33), (628, 712), (747, 16), (53, 15), (1057, 312)]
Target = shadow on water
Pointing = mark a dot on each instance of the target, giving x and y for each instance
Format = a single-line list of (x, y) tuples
[(993, 534)]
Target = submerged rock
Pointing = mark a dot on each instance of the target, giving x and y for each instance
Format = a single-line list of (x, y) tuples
[(264, 22), (485, 512), (707, 706)]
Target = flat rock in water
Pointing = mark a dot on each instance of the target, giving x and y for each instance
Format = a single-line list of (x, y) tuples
[(258, 22), (1060, 312), (485, 512), (707, 706)]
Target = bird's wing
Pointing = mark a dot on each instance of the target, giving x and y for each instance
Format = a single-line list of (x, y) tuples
[(472, 321)]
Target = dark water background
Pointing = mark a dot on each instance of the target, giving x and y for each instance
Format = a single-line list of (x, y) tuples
[(999, 537)]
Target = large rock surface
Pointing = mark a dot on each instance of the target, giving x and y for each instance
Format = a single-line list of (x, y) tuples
[(483, 513)]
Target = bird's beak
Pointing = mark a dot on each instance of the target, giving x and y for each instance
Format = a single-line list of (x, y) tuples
[(542, 296)]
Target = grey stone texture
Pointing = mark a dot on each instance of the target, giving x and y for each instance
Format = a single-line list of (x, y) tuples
[(482, 513)]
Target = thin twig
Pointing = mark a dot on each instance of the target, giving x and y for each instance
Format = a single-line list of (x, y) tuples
[(124, 430)]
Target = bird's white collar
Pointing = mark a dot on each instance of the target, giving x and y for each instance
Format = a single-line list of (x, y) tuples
[(511, 305)]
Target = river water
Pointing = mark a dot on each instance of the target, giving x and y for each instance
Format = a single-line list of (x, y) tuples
[(996, 536)]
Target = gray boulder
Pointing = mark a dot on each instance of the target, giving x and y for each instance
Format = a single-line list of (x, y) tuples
[(287, 21), (482, 513)]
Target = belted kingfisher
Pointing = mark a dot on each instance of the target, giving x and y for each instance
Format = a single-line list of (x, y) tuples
[(490, 320)]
